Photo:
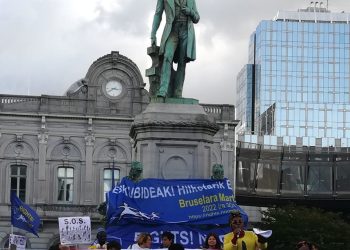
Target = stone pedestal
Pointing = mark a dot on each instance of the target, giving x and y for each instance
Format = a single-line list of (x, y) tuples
[(174, 141)]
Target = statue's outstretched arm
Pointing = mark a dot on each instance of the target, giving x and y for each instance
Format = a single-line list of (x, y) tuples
[(156, 21)]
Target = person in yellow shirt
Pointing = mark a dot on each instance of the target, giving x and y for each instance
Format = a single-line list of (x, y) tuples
[(239, 239)]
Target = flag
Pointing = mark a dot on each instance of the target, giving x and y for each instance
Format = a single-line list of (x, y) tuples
[(22, 216)]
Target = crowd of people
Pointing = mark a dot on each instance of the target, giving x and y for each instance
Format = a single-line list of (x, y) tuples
[(237, 239)]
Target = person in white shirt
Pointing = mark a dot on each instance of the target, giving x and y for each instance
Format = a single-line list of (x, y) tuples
[(144, 241)]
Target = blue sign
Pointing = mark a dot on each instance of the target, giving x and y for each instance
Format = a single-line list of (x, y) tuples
[(188, 235), (185, 207), (23, 217)]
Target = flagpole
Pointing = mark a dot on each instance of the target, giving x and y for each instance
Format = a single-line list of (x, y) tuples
[(113, 183), (11, 228), (11, 233), (12, 236)]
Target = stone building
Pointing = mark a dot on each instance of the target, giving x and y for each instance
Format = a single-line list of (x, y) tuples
[(58, 152)]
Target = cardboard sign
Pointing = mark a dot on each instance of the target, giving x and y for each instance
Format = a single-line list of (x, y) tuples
[(74, 230), (18, 240)]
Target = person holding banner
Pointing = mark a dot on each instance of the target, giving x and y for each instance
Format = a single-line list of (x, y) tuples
[(239, 239), (144, 241), (167, 239), (212, 242)]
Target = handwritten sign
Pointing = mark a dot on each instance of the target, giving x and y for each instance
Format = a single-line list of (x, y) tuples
[(74, 230), (19, 241)]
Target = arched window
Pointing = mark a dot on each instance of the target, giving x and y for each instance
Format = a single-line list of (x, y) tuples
[(19, 180), (65, 180), (107, 179)]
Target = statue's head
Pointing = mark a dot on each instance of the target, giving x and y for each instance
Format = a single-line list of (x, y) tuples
[(217, 172), (135, 171)]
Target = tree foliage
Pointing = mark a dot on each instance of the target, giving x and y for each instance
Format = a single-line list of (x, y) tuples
[(292, 224)]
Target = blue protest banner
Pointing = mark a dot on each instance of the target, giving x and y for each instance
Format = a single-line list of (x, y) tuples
[(159, 201), (189, 236), (23, 217), (188, 208)]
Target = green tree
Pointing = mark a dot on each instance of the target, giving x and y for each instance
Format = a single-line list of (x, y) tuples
[(292, 224)]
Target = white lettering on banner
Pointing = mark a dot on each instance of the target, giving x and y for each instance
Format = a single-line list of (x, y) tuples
[(145, 192), (189, 189), (183, 237), (228, 183), (167, 191)]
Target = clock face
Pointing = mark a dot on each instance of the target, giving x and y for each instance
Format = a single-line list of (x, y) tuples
[(114, 88)]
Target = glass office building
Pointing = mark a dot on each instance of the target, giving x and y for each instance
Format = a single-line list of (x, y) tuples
[(294, 110), (295, 89)]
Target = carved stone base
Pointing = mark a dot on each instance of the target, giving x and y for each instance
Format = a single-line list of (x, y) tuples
[(174, 141)]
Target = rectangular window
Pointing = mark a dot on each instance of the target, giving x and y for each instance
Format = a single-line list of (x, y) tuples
[(107, 180), (342, 178), (267, 178), (18, 181), (319, 179), (65, 177)]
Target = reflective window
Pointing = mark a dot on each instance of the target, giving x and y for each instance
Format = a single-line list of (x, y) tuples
[(319, 179), (245, 175), (65, 178), (342, 183), (19, 180), (267, 178), (303, 63), (292, 179)]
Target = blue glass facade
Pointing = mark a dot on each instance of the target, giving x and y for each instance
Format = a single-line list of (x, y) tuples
[(302, 83), (244, 108), (294, 107)]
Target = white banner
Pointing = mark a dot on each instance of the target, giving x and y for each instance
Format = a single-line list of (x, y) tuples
[(75, 230), (18, 240)]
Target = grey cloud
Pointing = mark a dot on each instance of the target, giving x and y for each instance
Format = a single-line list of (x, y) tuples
[(44, 46)]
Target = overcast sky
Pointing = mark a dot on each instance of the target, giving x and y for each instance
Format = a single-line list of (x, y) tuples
[(46, 45)]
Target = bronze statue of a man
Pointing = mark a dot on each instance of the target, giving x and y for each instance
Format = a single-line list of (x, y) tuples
[(178, 42)]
